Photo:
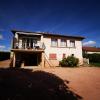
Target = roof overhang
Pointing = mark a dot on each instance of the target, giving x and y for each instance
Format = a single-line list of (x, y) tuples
[(91, 49), (47, 34)]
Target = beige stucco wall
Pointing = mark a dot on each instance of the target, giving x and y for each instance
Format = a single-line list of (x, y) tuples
[(77, 51)]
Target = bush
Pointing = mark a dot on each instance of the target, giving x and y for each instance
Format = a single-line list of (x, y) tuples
[(70, 61)]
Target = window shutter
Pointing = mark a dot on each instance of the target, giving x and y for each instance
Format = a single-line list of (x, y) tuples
[(52, 56)]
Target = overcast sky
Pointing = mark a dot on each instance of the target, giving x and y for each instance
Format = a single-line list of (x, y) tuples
[(69, 17)]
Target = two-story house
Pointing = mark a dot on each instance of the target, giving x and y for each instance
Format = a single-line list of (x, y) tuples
[(30, 49)]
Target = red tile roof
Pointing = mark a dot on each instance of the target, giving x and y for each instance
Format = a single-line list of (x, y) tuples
[(91, 49)]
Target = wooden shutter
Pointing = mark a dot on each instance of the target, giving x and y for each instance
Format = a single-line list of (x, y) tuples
[(52, 56)]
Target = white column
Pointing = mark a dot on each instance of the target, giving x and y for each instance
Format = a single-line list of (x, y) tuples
[(41, 41), (16, 36), (41, 38)]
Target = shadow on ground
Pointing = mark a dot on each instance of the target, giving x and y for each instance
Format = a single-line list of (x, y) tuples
[(22, 84)]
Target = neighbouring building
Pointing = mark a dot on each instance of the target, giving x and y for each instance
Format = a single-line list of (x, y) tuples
[(30, 49), (90, 50)]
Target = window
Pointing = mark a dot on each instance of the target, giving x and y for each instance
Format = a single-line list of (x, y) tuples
[(52, 56), (72, 43), (63, 43), (54, 42)]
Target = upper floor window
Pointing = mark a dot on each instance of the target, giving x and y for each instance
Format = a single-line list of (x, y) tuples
[(72, 43), (63, 43), (54, 42)]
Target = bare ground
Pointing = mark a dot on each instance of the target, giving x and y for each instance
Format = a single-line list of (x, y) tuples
[(84, 81), (5, 63)]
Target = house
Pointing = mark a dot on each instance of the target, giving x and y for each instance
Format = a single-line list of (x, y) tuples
[(90, 50), (43, 49)]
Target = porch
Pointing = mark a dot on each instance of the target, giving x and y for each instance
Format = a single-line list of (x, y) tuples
[(30, 58)]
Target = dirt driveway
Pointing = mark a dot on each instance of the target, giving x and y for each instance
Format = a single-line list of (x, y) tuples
[(5, 63), (84, 81)]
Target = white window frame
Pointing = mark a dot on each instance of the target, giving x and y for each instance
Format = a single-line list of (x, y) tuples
[(72, 43), (63, 43), (54, 42)]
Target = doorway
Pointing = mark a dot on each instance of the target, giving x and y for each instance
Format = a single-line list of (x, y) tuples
[(32, 59)]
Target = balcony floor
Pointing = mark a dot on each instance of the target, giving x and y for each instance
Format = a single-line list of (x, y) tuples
[(27, 50)]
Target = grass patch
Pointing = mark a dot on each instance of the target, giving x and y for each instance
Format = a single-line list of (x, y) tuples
[(95, 64)]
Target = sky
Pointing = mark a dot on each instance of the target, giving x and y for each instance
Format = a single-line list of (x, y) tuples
[(68, 17)]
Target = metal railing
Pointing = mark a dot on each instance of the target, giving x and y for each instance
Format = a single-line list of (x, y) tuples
[(26, 46)]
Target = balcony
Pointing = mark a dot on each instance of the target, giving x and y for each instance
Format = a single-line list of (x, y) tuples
[(28, 50), (28, 47)]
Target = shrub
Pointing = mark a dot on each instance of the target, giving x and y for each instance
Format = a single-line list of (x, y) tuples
[(70, 61), (94, 58), (63, 62)]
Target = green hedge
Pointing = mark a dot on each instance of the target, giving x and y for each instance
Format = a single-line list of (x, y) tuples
[(4, 56), (70, 61), (94, 57)]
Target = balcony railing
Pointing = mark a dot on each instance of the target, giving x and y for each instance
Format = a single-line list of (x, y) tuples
[(29, 46)]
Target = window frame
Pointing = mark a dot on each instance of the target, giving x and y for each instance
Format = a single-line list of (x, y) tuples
[(72, 45), (64, 40), (51, 56), (52, 40)]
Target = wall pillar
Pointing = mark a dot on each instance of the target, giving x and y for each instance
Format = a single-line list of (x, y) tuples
[(14, 60), (42, 60), (20, 43), (41, 38)]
